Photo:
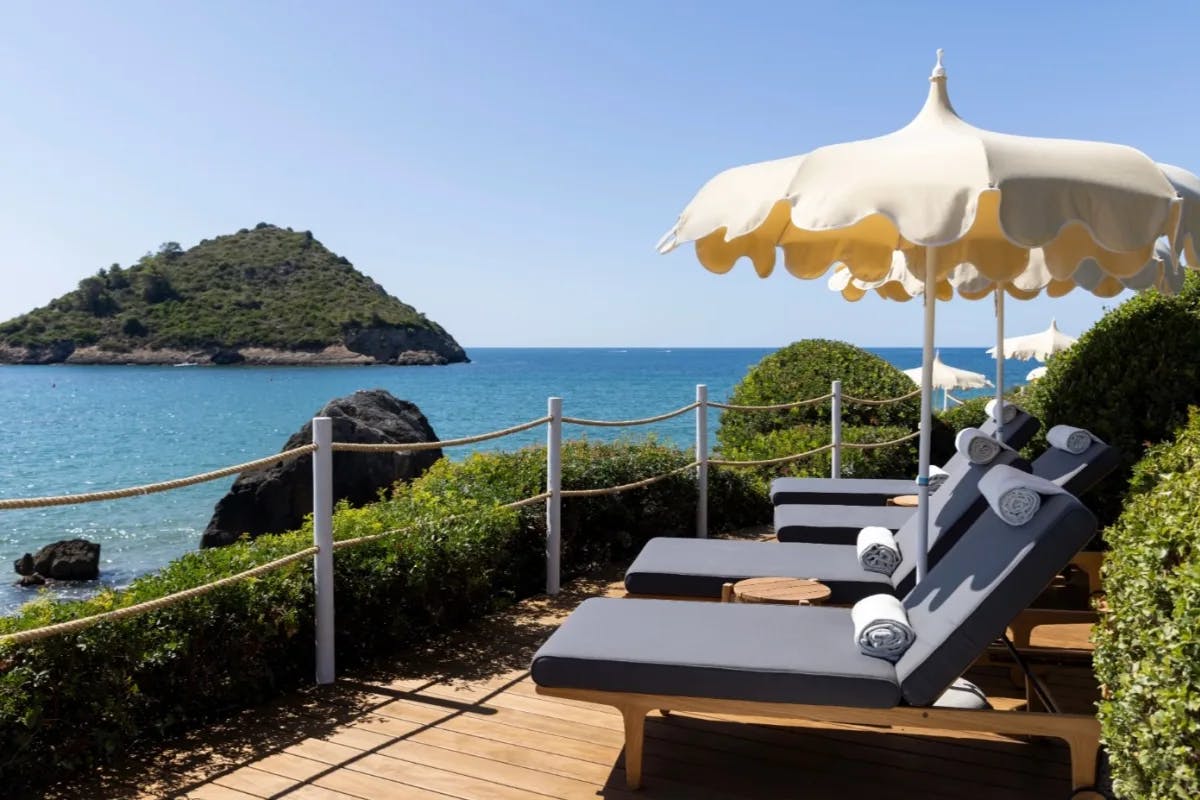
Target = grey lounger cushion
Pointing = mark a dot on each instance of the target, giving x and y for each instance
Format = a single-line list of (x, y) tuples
[(834, 524), (976, 589), (726, 650), (844, 491), (1077, 473), (698, 567)]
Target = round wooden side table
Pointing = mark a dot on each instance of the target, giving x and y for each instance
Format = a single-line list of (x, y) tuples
[(785, 591)]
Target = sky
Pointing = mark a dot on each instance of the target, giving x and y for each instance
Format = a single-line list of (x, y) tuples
[(507, 166)]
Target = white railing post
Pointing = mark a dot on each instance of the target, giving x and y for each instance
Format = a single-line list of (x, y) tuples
[(554, 501), (835, 427), (701, 461), (322, 430)]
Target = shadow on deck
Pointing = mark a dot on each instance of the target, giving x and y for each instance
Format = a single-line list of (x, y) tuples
[(461, 719)]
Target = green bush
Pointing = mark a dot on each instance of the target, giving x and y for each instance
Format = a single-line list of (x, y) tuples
[(1148, 647), (1129, 380), (806, 369), (76, 700)]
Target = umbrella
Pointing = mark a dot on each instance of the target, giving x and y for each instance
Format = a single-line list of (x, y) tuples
[(1038, 346), (1035, 373), (946, 377), (941, 192)]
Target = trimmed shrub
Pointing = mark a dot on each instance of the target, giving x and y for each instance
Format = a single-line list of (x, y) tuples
[(1148, 647), (806, 369), (77, 700), (1129, 380)]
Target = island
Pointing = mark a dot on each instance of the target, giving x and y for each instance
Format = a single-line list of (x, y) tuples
[(266, 295)]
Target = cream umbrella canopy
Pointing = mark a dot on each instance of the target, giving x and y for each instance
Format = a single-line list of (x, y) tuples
[(941, 192), (946, 377), (1036, 374), (1038, 346)]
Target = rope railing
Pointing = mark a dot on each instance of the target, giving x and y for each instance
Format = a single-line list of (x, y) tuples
[(625, 487), (618, 423), (414, 447), (776, 407), (72, 626), (767, 462), (888, 443), (867, 401), (152, 488)]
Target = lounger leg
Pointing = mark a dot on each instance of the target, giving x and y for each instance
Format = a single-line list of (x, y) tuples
[(635, 730), (1090, 562), (1084, 744), (1022, 631)]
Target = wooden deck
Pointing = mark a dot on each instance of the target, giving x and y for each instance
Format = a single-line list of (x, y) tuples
[(462, 720)]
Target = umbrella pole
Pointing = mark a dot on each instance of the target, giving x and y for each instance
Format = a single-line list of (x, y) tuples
[(999, 363), (929, 297)]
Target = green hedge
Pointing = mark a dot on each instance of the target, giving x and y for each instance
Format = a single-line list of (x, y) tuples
[(806, 369), (1148, 648), (75, 701), (1129, 380)]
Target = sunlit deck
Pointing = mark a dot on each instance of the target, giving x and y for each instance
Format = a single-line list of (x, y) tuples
[(462, 720)]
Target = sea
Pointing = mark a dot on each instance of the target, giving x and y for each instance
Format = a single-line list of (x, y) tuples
[(71, 429)]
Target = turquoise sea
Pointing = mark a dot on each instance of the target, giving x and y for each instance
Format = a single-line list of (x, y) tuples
[(68, 429)]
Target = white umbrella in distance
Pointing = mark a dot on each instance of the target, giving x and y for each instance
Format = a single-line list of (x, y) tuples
[(1035, 373), (946, 377), (1038, 346), (941, 192)]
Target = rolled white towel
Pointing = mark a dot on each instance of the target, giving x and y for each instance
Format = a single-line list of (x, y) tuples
[(878, 550), (1014, 495), (1009, 411), (1073, 440), (937, 476), (976, 446), (881, 627)]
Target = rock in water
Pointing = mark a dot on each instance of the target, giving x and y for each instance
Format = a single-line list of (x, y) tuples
[(276, 499), (69, 560)]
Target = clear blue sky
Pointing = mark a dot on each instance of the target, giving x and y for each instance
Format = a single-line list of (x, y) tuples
[(507, 167)]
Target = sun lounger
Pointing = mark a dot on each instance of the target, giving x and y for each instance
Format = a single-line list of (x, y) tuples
[(877, 491), (749, 660), (839, 524), (698, 568)]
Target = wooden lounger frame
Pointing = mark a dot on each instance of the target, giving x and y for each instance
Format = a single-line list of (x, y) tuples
[(1080, 732)]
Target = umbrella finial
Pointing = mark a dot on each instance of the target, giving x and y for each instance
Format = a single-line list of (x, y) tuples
[(939, 72)]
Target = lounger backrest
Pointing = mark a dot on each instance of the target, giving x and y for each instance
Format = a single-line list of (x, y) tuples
[(1077, 473), (1016, 434), (952, 509), (993, 573)]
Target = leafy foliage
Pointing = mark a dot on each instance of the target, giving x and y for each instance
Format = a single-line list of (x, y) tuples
[(806, 369), (77, 700), (269, 287), (1148, 647), (1129, 380)]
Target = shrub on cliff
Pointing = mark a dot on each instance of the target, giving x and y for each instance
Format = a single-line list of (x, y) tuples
[(76, 700), (806, 369), (1129, 380)]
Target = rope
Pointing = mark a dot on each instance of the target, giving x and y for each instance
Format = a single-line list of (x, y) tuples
[(766, 462), (528, 501), (626, 486), (151, 488), (623, 422), (872, 445), (869, 402), (74, 625), (353, 447), (778, 407)]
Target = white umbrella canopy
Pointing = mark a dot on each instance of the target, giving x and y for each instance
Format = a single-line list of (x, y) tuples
[(1039, 346), (946, 377), (941, 192), (1036, 373)]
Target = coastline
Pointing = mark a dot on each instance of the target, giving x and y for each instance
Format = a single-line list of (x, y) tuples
[(331, 355)]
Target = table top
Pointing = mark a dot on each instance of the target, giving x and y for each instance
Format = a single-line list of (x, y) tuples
[(794, 591), (905, 500)]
